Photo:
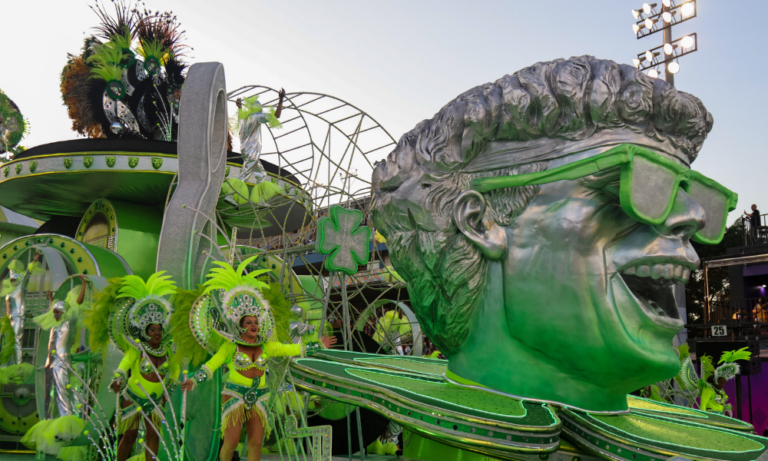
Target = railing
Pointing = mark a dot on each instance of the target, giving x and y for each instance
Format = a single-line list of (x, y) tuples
[(749, 311), (755, 236)]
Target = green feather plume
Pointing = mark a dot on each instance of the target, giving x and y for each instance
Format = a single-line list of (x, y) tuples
[(105, 61), (97, 318), (153, 49), (732, 356), (264, 191), (7, 339), (156, 285), (683, 352), (225, 277), (122, 41), (281, 311)]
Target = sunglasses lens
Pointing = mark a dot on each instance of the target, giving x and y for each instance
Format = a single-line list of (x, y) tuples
[(652, 189), (715, 204)]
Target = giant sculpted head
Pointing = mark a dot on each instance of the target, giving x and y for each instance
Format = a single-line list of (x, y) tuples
[(558, 288)]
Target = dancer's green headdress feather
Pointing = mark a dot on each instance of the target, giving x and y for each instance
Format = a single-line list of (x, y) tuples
[(156, 285), (225, 277)]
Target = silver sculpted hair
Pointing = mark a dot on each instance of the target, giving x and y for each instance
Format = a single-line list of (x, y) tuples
[(565, 100)]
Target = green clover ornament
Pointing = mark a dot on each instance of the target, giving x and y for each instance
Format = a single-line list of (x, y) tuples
[(342, 238)]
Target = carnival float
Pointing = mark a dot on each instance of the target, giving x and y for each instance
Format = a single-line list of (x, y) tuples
[(169, 298)]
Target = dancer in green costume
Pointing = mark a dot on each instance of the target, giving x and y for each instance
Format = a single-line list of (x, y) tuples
[(137, 315), (713, 397), (251, 330)]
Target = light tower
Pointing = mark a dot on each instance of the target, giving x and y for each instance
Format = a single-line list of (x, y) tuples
[(651, 19)]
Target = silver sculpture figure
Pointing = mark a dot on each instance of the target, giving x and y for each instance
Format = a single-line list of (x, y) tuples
[(56, 374), (504, 280), (60, 340), (16, 309)]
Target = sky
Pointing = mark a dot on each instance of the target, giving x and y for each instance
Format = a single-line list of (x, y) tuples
[(401, 61)]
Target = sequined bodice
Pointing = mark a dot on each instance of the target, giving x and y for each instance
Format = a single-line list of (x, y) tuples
[(242, 361), (145, 367)]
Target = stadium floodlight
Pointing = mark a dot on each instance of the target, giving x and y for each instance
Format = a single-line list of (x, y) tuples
[(648, 21)]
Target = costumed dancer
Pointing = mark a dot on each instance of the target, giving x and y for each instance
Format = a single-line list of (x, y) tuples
[(136, 315), (250, 117), (254, 319), (713, 397), (15, 309), (62, 422)]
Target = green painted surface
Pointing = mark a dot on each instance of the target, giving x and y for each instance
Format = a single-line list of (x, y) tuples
[(405, 364), (138, 236), (432, 391), (440, 393), (655, 408), (655, 430), (422, 365), (425, 449)]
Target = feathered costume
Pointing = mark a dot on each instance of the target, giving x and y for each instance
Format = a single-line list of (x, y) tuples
[(122, 312), (712, 398), (127, 80), (250, 117), (13, 125), (213, 322)]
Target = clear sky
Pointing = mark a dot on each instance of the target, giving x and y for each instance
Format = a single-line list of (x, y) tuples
[(401, 61)]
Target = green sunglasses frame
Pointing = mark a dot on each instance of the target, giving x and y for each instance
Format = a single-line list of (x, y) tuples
[(621, 156)]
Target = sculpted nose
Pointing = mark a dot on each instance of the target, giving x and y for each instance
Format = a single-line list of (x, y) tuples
[(686, 218)]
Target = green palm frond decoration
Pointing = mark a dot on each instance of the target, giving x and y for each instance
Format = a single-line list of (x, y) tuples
[(157, 285), (732, 356), (225, 277)]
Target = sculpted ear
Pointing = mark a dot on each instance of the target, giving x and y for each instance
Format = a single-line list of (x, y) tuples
[(469, 216)]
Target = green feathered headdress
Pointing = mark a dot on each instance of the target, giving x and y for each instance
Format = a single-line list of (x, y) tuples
[(227, 278), (732, 356), (149, 305), (211, 315), (98, 318), (729, 368), (105, 61), (192, 342)]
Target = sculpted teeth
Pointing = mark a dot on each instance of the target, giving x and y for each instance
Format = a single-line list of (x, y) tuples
[(657, 271)]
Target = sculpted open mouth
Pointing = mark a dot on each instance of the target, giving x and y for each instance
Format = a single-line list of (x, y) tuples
[(653, 287)]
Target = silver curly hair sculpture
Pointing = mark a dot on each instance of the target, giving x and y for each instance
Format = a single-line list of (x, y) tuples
[(514, 125)]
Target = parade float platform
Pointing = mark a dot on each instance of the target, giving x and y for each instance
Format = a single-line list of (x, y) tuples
[(63, 179), (439, 415)]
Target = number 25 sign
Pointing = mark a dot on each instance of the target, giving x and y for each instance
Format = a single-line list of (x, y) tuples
[(719, 330)]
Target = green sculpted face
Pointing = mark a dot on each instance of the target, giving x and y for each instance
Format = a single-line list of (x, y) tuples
[(548, 290)]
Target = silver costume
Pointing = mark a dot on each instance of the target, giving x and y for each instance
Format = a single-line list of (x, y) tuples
[(250, 146), (56, 373), (15, 310)]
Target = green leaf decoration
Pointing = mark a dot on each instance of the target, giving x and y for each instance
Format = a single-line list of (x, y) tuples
[(342, 238), (251, 106)]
